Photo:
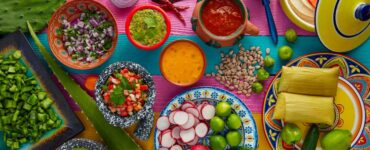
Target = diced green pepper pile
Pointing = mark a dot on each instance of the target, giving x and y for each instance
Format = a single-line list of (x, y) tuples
[(24, 107)]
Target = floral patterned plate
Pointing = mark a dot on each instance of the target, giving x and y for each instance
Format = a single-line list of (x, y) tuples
[(352, 101), (214, 95)]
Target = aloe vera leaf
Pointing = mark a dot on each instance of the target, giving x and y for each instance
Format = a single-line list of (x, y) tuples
[(114, 137)]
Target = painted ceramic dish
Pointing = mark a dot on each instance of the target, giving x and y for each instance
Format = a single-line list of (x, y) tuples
[(80, 144), (214, 95), (300, 12), (145, 114), (71, 126), (352, 100), (181, 53), (70, 11), (148, 24)]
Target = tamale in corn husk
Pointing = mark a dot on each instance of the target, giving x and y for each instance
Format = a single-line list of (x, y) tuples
[(305, 108), (310, 81)]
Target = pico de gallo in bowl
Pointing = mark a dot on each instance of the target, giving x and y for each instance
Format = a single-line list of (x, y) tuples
[(124, 93)]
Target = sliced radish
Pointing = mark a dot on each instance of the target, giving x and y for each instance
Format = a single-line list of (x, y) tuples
[(180, 117), (163, 123), (167, 140), (180, 142), (160, 137), (170, 117), (199, 108), (204, 103), (190, 123), (176, 132), (208, 111), (163, 148), (194, 141), (186, 105), (187, 135), (196, 122), (193, 111), (201, 130), (191, 102), (176, 147)]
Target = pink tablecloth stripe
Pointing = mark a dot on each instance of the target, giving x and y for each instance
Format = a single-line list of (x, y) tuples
[(166, 91), (257, 13)]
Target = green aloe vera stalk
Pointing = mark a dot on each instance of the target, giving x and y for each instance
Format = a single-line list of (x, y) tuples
[(114, 137)]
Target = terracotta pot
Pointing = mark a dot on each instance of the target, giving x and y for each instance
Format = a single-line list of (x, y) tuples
[(221, 41)]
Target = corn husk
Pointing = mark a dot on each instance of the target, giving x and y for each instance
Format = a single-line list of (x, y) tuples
[(310, 81), (305, 108)]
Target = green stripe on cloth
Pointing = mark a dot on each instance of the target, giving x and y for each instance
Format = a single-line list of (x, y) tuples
[(125, 51)]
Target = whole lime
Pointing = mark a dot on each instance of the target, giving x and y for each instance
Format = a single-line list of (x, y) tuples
[(217, 124), (234, 121), (285, 52), (233, 138), (217, 142), (337, 139), (223, 109), (291, 35)]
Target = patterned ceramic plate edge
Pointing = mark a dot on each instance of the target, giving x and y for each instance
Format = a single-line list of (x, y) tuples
[(348, 68), (113, 118), (212, 93)]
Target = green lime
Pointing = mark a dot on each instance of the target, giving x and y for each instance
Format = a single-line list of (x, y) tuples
[(291, 35), (262, 74), (257, 87), (234, 121), (217, 142), (233, 138), (285, 52), (217, 124), (337, 139), (223, 109), (269, 61)]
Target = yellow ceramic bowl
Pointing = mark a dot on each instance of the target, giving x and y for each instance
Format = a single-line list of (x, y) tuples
[(298, 19)]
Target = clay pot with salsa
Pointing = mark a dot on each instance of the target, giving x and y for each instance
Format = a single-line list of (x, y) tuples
[(222, 22)]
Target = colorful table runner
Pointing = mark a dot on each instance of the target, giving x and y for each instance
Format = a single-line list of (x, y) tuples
[(125, 51)]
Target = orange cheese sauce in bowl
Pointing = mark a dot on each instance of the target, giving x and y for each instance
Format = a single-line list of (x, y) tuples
[(182, 62)]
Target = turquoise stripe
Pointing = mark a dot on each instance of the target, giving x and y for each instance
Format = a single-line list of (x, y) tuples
[(125, 51)]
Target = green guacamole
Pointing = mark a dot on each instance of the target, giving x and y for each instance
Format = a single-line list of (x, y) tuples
[(148, 27)]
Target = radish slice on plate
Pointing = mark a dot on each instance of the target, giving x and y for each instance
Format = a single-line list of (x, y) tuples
[(190, 123), (176, 132), (163, 123), (163, 148), (186, 105), (201, 130), (208, 111), (199, 108), (180, 117), (194, 141), (193, 111), (196, 122), (176, 147), (167, 140), (180, 142), (187, 135), (170, 117)]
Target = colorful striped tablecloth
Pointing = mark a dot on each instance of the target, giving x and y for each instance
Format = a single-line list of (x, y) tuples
[(125, 51)]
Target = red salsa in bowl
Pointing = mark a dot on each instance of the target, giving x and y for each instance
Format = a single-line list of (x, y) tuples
[(222, 17)]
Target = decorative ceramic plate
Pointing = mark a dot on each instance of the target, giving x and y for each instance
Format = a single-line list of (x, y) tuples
[(72, 10), (352, 100), (71, 126), (214, 95)]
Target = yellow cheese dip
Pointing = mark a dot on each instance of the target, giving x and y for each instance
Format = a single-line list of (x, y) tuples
[(182, 62)]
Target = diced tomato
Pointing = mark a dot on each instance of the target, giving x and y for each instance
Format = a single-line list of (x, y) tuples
[(110, 86), (131, 79), (144, 87), (137, 107), (106, 97), (124, 114), (129, 108), (113, 109), (123, 71)]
